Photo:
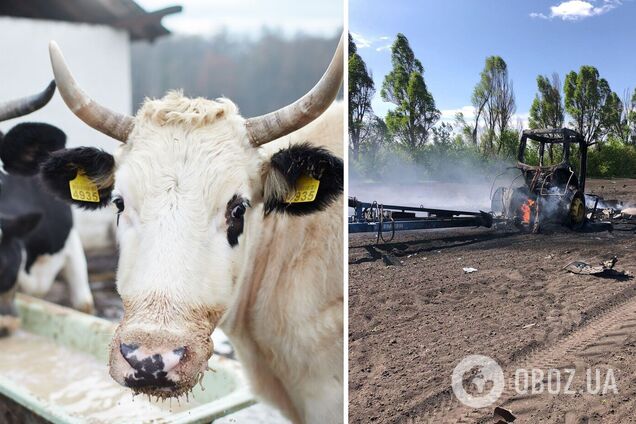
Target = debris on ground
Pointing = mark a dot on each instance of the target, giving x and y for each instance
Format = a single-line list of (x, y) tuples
[(605, 269), (390, 260), (469, 270), (629, 212), (505, 415)]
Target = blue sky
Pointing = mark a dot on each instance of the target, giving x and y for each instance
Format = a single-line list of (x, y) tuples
[(452, 38)]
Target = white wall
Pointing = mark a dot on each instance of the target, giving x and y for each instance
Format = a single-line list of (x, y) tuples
[(99, 57)]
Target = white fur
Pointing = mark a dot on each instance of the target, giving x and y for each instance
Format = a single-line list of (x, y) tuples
[(281, 287), (72, 261)]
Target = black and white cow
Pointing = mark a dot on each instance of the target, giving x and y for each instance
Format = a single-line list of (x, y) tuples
[(37, 239)]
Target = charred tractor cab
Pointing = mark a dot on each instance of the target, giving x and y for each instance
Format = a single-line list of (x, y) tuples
[(553, 186)]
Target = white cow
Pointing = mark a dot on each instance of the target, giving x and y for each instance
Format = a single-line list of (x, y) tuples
[(210, 234)]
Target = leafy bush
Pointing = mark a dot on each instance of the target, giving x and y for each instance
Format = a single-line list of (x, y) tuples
[(613, 160)]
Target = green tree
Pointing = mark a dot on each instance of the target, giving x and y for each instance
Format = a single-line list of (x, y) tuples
[(630, 113), (415, 114), (361, 91), (614, 119), (627, 129), (547, 109), (586, 101), (375, 137), (464, 131), (443, 134), (481, 96), (494, 101)]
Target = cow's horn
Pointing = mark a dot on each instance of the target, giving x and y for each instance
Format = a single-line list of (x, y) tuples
[(111, 123), (265, 128), (24, 106)]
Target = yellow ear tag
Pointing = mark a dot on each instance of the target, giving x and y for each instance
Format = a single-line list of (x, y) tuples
[(83, 189), (306, 190)]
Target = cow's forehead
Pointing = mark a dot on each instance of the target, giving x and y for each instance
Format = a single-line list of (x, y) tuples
[(189, 147)]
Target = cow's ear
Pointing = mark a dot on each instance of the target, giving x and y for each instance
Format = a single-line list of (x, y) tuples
[(84, 176), (27, 145), (302, 179), (19, 226)]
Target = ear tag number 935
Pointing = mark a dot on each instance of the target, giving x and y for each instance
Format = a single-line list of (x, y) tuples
[(306, 190), (83, 189)]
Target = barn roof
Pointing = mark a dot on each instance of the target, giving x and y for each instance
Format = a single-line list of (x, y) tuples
[(125, 14)]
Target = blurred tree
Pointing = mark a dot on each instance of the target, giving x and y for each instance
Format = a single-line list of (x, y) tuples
[(614, 119), (586, 101), (361, 91), (480, 97), (504, 99), (464, 131), (494, 100), (626, 131), (259, 75), (376, 136), (415, 114), (443, 134), (630, 113), (547, 109)]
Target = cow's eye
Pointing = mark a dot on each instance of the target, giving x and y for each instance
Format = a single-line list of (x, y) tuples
[(119, 204), (118, 201), (238, 211), (234, 217)]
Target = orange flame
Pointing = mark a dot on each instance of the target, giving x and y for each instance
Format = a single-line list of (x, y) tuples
[(526, 211)]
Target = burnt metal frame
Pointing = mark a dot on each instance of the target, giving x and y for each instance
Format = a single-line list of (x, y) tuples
[(563, 136)]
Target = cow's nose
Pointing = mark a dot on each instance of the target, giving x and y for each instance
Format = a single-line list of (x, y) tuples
[(150, 369)]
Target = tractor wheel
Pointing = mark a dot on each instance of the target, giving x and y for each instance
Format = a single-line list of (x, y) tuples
[(576, 212)]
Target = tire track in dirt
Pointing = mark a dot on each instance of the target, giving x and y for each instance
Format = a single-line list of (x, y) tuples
[(596, 338)]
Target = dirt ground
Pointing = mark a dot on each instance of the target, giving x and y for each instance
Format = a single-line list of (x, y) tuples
[(411, 323)]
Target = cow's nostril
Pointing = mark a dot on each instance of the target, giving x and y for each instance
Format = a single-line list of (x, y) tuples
[(149, 364), (127, 349)]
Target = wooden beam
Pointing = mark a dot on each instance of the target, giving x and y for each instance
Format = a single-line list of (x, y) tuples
[(136, 21)]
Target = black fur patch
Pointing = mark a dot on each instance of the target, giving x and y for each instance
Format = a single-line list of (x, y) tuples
[(315, 162), (27, 145), (235, 223), (149, 372), (19, 226), (63, 165), (11, 245)]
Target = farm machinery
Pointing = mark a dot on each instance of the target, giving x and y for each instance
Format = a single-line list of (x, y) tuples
[(553, 190), (548, 191), (380, 218)]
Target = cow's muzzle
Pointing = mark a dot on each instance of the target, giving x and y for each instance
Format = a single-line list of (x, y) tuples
[(161, 364), (151, 369)]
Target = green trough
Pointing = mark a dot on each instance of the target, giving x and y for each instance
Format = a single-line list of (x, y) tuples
[(56, 368)]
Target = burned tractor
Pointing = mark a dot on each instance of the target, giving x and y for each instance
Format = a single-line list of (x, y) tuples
[(553, 190)]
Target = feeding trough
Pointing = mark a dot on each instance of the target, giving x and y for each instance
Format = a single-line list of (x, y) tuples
[(55, 367)]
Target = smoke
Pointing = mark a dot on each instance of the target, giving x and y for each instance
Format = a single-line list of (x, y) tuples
[(456, 180), (591, 201)]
